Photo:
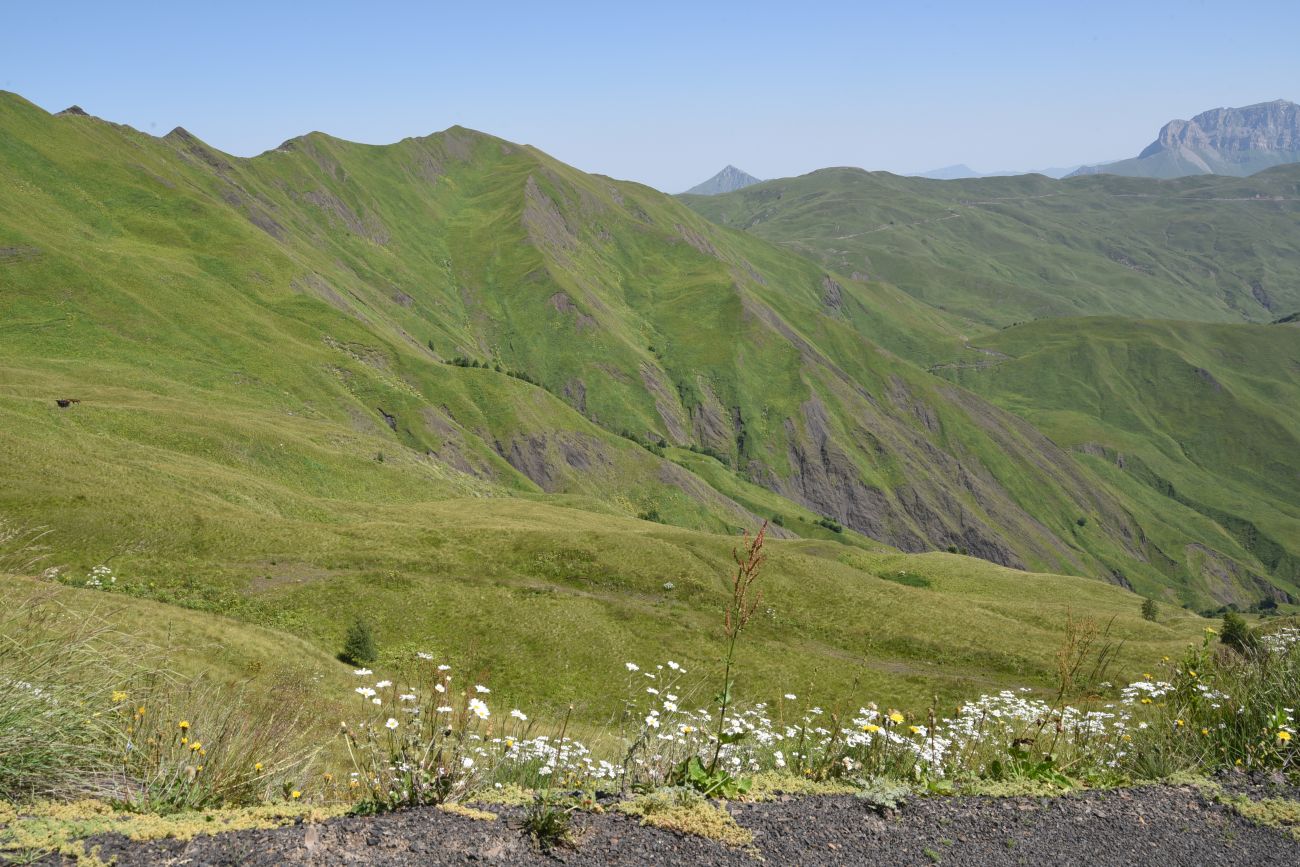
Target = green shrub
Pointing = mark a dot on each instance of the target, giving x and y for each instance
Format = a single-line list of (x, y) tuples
[(1149, 609), (359, 644), (1236, 632)]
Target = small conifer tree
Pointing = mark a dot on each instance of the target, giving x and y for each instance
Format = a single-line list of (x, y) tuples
[(1149, 609), (359, 645), (1236, 632)]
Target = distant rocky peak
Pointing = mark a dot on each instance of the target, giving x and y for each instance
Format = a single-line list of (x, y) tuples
[(726, 181), (1221, 141), (1265, 126)]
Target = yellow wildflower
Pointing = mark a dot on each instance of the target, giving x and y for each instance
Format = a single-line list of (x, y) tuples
[(295, 794), (916, 730), (1205, 731), (119, 696), (1179, 722), (868, 727), (196, 746), (183, 725), (895, 717), (1284, 735), (257, 767)]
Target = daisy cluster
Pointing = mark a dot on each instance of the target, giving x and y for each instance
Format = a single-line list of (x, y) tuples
[(661, 728)]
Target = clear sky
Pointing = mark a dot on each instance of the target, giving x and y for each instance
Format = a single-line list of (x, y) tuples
[(667, 92)]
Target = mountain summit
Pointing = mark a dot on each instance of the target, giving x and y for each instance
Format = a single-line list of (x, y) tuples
[(728, 180), (1222, 141)]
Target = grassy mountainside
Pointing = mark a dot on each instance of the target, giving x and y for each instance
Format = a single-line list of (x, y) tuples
[(269, 423), (1004, 250), (345, 277), (1197, 414), (1191, 425)]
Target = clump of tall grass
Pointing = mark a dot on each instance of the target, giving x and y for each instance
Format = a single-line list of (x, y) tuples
[(54, 687), (88, 711), (21, 548), (1225, 705), (190, 744)]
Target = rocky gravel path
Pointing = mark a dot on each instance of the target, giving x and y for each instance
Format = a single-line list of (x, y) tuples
[(1154, 825)]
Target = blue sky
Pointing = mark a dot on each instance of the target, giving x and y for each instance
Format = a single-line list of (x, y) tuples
[(667, 93)]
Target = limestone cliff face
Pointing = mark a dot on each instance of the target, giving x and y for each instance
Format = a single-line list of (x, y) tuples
[(1268, 126), (1222, 141)]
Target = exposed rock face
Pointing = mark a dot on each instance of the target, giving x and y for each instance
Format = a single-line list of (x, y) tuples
[(1222, 141), (728, 180), (1268, 126)]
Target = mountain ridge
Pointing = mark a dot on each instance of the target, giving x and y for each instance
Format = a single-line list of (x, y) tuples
[(486, 320), (1223, 141)]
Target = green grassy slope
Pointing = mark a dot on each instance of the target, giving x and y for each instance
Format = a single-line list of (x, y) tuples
[(1003, 250), (268, 427), (1200, 418), (345, 275), (1200, 415), (548, 617)]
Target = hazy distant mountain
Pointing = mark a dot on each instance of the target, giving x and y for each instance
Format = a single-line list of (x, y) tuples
[(1222, 141), (951, 173), (1050, 171), (962, 171), (728, 180)]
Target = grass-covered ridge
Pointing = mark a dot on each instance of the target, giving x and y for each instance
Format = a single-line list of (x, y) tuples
[(1193, 414), (1188, 418), (262, 353), (1004, 250)]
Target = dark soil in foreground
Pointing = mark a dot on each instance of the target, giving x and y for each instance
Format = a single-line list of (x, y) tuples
[(1155, 825)]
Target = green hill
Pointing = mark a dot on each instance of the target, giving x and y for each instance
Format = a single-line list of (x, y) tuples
[(274, 318), (1195, 414), (1005, 250), (1191, 425), (519, 411)]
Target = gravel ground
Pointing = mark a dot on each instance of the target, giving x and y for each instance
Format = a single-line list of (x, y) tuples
[(1154, 825)]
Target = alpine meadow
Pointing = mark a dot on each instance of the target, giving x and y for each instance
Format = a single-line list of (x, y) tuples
[(944, 487)]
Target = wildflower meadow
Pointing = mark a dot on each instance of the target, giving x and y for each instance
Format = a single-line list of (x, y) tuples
[(422, 732)]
